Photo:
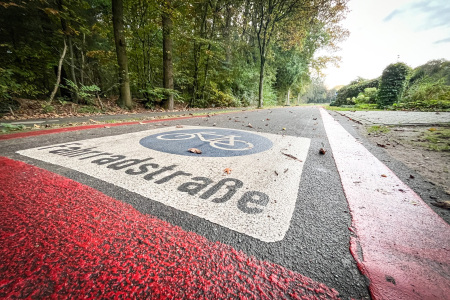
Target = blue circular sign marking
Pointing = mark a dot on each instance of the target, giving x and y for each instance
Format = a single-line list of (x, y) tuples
[(212, 142)]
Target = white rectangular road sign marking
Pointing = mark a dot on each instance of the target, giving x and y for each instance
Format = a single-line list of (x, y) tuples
[(259, 201)]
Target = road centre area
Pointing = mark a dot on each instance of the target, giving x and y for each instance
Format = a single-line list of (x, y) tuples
[(316, 242)]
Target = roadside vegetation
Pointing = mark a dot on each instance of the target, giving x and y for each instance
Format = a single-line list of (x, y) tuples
[(88, 57), (425, 88)]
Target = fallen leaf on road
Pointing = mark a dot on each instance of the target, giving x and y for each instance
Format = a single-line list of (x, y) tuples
[(411, 176), (36, 126), (179, 126), (249, 125), (381, 145), (268, 119), (383, 175), (141, 123), (442, 204), (322, 151), (93, 121), (195, 150), (107, 126), (284, 128), (227, 170), (432, 129), (291, 156)]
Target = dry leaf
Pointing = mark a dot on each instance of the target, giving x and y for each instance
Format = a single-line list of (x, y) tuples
[(442, 204), (383, 175), (284, 128), (249, 125), (36, 126), (179, 126), (291, 156), (93, 121), (195, 150), (381, 145), (227, 170), (322, 151), (107, 127)]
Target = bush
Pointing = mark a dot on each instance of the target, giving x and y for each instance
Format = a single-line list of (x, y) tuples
[(392, 84), (427, 94), (369, 96), (347, 93), (85, 92)]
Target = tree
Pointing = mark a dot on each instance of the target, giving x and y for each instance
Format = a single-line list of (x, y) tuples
[(121, 50), (392, 84), (167, 54), (265, 18)]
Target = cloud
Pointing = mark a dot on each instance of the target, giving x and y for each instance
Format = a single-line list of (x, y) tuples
[(394, 13), (447, 40), (425, 14)]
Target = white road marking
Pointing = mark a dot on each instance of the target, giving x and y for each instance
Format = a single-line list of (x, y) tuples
[(266, 183)]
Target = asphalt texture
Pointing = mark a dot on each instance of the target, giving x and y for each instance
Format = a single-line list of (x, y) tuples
[(317, 242)]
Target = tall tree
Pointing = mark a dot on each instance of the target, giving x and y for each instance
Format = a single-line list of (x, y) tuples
[(121, 50), (167, 54), (266, 18)]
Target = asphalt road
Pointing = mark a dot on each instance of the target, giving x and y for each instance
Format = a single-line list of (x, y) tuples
[(316, 244)]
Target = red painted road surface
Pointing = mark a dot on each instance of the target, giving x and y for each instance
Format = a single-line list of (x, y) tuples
[(402, 245), (76, 128), (62, 239)]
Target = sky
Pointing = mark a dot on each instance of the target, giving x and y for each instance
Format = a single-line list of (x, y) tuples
[(387, 31)]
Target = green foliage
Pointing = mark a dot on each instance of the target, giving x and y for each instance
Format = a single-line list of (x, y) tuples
[(346, 94), (155, 95), (437, 139), (392, 84), (85, 92), (10, 127), (216, 55), (47, 108), (369, 96), (377, 129), (427, 94), (89, 110)]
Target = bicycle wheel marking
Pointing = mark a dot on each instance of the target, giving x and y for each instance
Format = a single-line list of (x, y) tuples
[(257, 199), (215, 142)]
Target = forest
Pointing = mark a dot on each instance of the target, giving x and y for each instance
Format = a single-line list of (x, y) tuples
[(161, 53)]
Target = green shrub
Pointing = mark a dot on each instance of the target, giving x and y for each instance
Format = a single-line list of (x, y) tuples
[(392, 84), (426, 94), (10, 127), (155, 95), (85, 92), (47, 108), (89, 110), (347, 93)]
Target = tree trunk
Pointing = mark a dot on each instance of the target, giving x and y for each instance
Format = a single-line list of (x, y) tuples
[(288, 102), (261, 81), (58, 76), (167, 56), (121, 50)]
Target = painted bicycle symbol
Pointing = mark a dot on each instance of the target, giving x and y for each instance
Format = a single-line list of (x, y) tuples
[(219, 141)]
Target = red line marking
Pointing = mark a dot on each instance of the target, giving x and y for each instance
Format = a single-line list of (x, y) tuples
[(62, 239), (68, 129), (405, 245)]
